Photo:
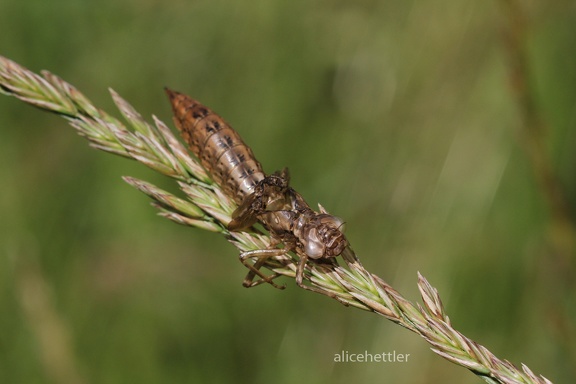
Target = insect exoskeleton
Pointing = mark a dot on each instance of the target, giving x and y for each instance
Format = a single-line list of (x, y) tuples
[(217, 145), (315, 235)]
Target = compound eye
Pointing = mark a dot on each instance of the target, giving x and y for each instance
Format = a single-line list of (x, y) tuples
[(314, 249)]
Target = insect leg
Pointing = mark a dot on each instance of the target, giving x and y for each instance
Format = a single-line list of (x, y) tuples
[(262, 255), (300, 270)]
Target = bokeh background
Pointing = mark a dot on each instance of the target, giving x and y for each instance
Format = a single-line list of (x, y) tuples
[(396, 115)]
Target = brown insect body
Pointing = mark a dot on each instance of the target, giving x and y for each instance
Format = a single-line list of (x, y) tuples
[(311, 235), (270, 194), (267, 199), (218, 147), (316, 235)]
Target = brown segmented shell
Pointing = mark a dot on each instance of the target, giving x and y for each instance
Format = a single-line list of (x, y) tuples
[(218, 147), (266, 199)]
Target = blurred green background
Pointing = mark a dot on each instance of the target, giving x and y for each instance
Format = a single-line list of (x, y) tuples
[(395, 115)]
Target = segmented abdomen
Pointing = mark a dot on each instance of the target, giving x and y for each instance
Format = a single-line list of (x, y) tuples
[(219, 147)]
